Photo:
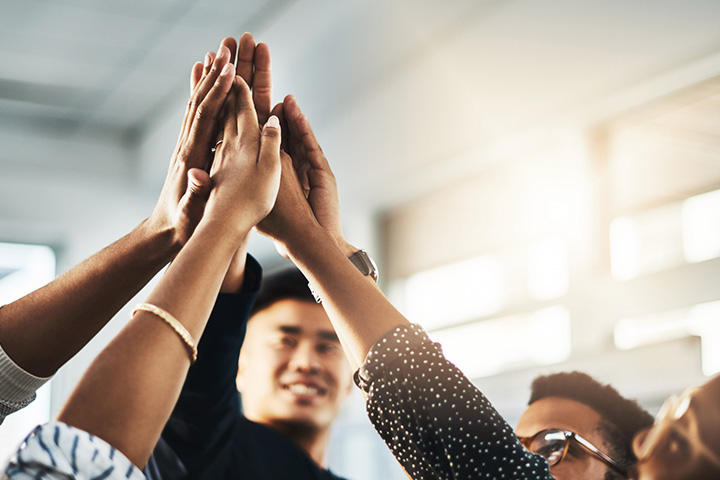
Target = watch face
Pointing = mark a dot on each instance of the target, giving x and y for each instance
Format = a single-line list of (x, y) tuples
[(365, 264)]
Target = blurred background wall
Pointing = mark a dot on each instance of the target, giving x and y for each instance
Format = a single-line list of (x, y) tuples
[(539, 180)]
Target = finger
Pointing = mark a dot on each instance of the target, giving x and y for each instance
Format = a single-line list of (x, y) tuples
[(279, 112), (192, 203), (195, 76), (245, 58), (302, 171), (270, 142), (202, 131), (231, 45), (198, 183), (206, 84), (247, 123), (298, 122), (230, 128), (262, 82), (291, 111), (209, 59)]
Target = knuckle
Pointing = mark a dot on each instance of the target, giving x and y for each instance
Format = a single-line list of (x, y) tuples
[(271, 133), (203, 112), (194, 104)]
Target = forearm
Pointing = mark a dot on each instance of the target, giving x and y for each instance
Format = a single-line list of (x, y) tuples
[(127, 394), (208, 407), (420, 404), (235, 276), (44, 329), (357, 308)]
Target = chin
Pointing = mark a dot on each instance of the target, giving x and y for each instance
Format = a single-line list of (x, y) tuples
[(300, 422)]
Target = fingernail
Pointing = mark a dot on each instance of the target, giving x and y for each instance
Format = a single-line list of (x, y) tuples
[(273, 122), (222, 50), (227, 69), (208, 59)]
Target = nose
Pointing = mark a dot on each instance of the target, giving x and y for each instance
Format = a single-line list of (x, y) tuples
[(305, 360)]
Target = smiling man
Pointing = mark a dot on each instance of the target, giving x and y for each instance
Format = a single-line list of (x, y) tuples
[(292, 376), (584, 429)]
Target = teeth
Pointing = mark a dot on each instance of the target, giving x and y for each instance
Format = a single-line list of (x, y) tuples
[(301, 389)]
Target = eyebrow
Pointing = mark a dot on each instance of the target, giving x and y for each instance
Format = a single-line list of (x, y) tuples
[(328, 335)]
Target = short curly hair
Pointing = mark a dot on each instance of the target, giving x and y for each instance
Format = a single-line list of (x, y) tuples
[(622, 418)]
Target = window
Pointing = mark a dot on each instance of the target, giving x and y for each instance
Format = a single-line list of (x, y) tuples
[(23, 269)]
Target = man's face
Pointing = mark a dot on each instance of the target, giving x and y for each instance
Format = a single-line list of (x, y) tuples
[(292, 370), (683, 444), (566, 414)]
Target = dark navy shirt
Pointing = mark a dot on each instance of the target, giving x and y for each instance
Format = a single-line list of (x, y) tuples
[(207, 437)]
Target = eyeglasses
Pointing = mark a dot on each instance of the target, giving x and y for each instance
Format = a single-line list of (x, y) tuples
[(668, 422), (553, 444)]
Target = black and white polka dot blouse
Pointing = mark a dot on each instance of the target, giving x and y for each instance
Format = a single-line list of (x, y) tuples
[(435, 421)]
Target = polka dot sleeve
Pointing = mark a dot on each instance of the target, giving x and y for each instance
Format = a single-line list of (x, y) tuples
[(435, 421)]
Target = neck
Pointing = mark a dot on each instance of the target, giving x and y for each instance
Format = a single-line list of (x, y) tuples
[(312, 440)]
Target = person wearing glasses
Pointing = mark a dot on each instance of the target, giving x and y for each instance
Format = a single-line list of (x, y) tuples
[(684, 442), (581, 427)]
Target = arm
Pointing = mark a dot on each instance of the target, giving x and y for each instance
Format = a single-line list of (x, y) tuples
[(253, 66), (65, 314), (435, 421), (306, 225), (208, 408), (128, 392)]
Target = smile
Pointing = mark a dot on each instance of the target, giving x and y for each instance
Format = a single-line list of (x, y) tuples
[(304, 389)]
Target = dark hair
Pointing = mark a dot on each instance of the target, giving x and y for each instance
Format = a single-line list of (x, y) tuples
[(286, 283), (622, 418)]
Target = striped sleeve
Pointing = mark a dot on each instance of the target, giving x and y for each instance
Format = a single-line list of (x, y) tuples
[(17, 387), (56, 451)]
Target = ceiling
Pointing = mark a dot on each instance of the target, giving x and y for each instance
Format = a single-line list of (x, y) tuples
[(405, 95)]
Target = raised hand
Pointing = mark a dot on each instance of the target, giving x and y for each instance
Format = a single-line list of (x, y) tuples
[(313, 169), (308, 194), (291, 216), (246, 168), (253, 66), (187, 185)]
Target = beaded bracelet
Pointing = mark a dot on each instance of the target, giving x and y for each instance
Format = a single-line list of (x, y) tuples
[(174, 324)]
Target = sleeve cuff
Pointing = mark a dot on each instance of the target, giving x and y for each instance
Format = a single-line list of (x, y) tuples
[(57, 448), (390, 349), (18, 386)]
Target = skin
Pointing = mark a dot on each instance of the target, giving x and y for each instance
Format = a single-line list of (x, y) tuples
[(129, 391), (46, 328), (675, 457), (253, 66), (293, 374), (305, 225), (566, 414)]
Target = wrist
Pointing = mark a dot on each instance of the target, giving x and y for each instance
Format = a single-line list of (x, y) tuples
[(347, 249), (234, 231), (313, 242), (164, 240)]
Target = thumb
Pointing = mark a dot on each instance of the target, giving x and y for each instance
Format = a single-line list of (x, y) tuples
[(192, 204), (198, 183), (270, 142)]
